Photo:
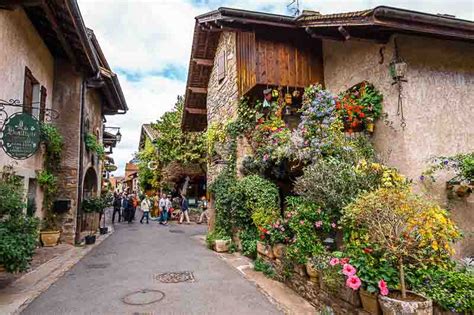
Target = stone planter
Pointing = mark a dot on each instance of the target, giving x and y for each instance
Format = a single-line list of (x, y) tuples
[(414, 305), (312, 273), (50, 238), (279, 250), (370, 302), (265, 250), (222, 246), (300, 269), (350, 296)]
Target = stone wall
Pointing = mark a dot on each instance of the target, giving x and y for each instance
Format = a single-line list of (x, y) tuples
[(222, 96), (437, 105), (344, 302)]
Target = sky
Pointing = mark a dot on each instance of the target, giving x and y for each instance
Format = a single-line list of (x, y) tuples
[(148, 44)]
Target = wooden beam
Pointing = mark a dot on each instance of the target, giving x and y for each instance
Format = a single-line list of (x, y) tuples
[(198, 90), (204, 62), (25, 3), (59, 32), (197, 111)]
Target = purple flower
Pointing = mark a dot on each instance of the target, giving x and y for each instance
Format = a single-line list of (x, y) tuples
[(446, 162), (422, 178)]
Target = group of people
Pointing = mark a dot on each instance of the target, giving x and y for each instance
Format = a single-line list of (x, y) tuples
[(125, 206)]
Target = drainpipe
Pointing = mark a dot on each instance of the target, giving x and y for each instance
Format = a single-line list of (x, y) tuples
[(81, 162)]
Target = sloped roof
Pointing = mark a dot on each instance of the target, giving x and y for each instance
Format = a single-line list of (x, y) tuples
[(147, 131), (376, 24)]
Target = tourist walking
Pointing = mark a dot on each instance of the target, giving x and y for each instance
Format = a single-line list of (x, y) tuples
[(130, 209), (117, 204), (184, 210), (124, 207), (163, 210), (135, 202), (145, 206), (205, 212)]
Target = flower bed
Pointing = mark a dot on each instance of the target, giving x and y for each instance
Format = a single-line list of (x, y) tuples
[(354, 223)]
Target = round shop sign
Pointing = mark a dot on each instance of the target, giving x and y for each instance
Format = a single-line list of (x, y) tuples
[(21, 136)]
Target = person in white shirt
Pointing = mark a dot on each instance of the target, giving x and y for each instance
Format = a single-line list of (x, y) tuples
[(145, 205), (162, 204), (169, 207)]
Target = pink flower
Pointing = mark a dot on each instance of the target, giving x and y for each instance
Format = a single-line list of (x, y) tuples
[(333, 225), (383, 287), (301, 222), (318, 224), (334, 261), (289, 215), (353, 282), (344, 261), (348, 270)]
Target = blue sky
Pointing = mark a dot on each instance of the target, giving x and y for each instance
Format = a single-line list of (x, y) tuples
[(148, 44)]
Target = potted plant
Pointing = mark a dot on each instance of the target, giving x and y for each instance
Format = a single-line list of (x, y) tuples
[(91, 207), (402, 228), (50, 231)]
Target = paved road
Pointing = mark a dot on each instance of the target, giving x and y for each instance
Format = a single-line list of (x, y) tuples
[(129, 261)]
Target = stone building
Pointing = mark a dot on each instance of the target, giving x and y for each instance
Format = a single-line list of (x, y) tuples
[(240, 53), (54, 67)]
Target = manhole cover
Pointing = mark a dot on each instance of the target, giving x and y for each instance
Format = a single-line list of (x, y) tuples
[(97, 266), (176, 231), (143, 297), (175, 277)]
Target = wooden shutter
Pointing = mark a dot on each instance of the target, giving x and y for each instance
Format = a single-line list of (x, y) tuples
[(221, 66), (42, 103), (28, 91)]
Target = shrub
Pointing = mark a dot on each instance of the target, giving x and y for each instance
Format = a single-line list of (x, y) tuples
[(402, 227), (11, 193), (260, 197), (453, 290), (248, 240), (226, 199), (18, 239), (266, 268)]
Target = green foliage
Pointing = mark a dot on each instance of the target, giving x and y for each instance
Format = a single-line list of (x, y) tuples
[(212, 236), (260, 198), (93, 144), (307, 241), (215, 133), (148, 178), (95, 204), (248, 240), (453, 290), (266, 268), (18, 239), (11, 193), (223, 189), (54, 142), (461, 164), (401, 227), (182, 147)]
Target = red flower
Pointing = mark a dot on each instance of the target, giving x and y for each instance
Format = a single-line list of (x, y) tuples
[(361, 115), (262, 237), (368, 250), (344, 261)]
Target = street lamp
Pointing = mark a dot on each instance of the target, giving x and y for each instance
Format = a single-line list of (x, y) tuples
[(118, 136)]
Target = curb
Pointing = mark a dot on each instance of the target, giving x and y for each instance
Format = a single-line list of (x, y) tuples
[(19, 294)]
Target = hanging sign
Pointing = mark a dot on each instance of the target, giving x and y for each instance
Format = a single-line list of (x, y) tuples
[(21, 136)]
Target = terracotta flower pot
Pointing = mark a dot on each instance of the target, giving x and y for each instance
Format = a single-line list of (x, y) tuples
[(312, 272), (50, 238), (415, 304), (279, 250), (370, 302), (265, 250), (222, 246)]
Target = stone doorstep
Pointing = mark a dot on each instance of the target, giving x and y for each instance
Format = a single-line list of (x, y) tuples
[(278, 293), (20, 293)]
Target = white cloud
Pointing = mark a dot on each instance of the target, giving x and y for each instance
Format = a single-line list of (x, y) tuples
[(145, 37)]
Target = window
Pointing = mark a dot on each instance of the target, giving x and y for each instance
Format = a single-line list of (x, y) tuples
[(221, 66), (34, 96), (30, 89)]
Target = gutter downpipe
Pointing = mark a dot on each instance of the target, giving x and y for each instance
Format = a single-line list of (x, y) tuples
[(81, 162)]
